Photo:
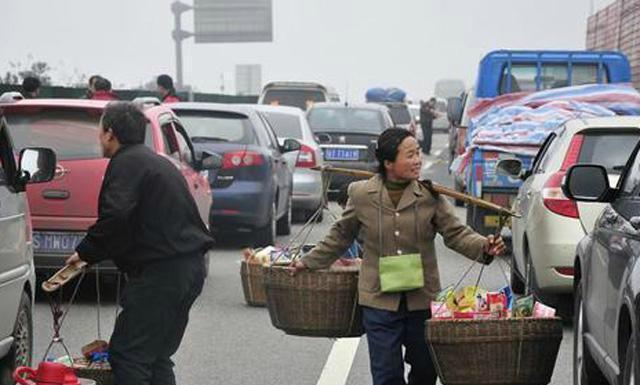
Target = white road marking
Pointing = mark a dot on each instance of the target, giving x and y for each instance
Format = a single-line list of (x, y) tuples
[(336, 369), (338, 366)]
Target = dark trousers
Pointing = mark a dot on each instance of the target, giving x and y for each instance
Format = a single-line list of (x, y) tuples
[(427, 133), (387, 332), (155, 311)]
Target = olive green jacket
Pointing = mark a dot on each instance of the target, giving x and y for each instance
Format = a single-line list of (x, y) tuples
[(418, 212)]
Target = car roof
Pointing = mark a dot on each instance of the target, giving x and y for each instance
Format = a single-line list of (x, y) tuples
[(365, 106), (244, 109), (281, 109), (612, 122), (293, 84)]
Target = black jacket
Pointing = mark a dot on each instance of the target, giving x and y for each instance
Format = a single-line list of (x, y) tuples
[(145, 213)]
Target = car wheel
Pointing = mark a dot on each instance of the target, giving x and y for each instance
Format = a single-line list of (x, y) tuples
[(585, 369), (266, 236), (517, 283), (630, 358), (459, 188), (284, 223), (22, 348)]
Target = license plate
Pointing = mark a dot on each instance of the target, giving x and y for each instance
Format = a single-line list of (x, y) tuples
[(341, 154), (494, 221), (56, 242)]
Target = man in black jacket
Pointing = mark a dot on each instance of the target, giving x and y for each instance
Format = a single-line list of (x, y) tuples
[(149, 225)]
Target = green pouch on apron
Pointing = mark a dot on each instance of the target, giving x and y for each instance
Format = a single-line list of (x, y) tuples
[(401, 273)]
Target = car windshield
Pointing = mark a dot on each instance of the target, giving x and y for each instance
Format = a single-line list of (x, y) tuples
[(341, 119), (211, 126), (71, 133), (303, 99), (285, 125), (400, 114), (610, 151)]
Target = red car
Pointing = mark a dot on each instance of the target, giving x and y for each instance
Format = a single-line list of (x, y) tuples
[(63, 209)]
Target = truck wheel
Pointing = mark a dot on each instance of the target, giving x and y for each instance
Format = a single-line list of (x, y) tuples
[(630, 358), (22, 348), (266, 236), (458, 186)]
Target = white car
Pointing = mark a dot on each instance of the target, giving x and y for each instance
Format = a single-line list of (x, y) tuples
[(441, 122), (546, 236), (291, 122)]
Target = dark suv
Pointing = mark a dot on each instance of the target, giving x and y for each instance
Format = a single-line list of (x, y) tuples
[(607, 276)]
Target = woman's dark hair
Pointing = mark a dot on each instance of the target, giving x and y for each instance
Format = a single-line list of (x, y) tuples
[(388, 143), (127, 122), (165, 82), (102, 84)]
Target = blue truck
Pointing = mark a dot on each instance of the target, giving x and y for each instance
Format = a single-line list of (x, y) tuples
[(504, 72)]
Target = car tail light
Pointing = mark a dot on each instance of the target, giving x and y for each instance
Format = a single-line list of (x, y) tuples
[(306, 157), (236, 159), (565, 270), (552, 195)]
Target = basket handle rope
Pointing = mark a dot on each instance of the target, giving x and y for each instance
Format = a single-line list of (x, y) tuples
[(59, 315)]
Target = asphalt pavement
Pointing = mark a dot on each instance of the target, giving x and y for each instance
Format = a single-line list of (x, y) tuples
[(228, 342)]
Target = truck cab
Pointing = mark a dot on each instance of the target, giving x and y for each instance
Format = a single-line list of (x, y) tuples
[(505, 72)]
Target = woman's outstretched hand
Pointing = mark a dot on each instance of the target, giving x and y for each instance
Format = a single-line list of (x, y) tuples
[(296, 267), (494, 246)]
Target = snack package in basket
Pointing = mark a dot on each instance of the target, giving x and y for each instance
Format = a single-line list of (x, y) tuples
[(541, 310), (466, 300), (440, 310), (523, 307)]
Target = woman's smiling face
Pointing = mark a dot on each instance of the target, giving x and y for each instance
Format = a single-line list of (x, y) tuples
[(408, 163)]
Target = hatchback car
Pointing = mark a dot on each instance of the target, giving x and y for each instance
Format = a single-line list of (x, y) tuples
[(348, 135), (17, 272), (63, 209), (291, 122), (253, 190), (607, 276), (545, 237)]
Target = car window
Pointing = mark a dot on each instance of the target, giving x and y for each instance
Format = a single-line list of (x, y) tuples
[(217, 126), (523, 78), (586, 74), (6, 156), (169, 139), (554, 76), (341, 119), (303, 99), (631, 182), (400, 114), (545, 154), (610, 151), (273, 140), (285, 125), (183, 143), (71, 133)]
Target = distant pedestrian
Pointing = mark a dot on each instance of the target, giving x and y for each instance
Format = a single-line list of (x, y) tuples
[(92, 86), (102, 90), (31, 87), (166, 90), (427, 115)]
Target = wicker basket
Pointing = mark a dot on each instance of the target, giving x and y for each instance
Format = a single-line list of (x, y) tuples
[(321, 303), (102, 375), (495, 352), (252, 275)]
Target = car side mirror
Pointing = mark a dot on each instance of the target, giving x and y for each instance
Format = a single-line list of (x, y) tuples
[(510, 167), (587, 183), (37, 165), (208, 161), (290, 145)]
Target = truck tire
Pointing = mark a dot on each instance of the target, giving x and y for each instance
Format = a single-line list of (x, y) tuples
[(22, 348)]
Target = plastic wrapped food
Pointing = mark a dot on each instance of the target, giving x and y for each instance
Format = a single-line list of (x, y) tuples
[(523, 307)]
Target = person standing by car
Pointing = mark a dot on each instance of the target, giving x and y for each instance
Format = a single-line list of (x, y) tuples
[(102, 90), (427, 115), (91, 86), (149, 225), (166, 90), (30, 87), (397, 216)]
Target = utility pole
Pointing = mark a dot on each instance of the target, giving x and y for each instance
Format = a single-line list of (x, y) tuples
[(179, 35)]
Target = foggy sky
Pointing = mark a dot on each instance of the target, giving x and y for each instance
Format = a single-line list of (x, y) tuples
[(348, 44)]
